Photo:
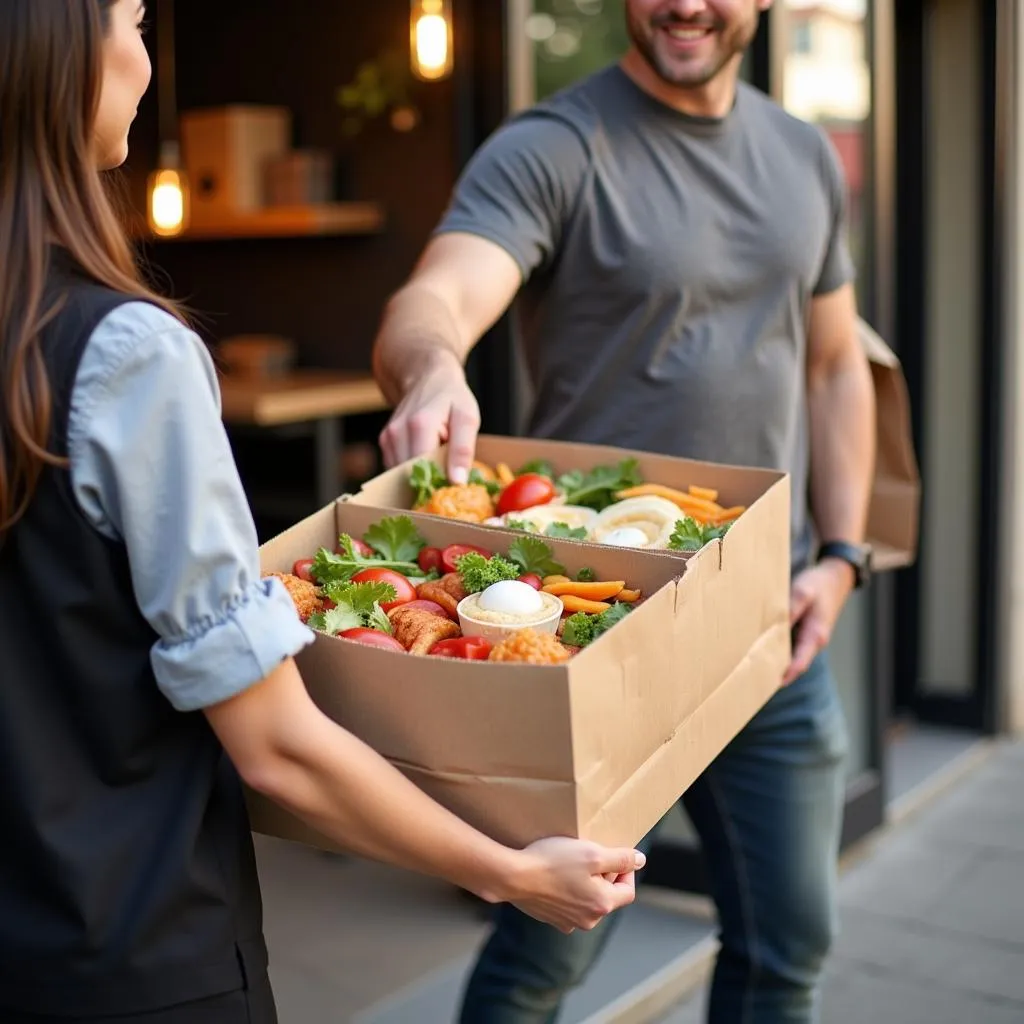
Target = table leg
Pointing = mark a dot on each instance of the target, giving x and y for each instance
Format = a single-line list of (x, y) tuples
[(328, 441)]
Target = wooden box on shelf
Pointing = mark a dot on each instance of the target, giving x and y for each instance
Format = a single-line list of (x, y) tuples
[(225, 150)]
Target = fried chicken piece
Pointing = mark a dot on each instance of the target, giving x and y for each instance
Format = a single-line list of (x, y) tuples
[(417, 630), (531, 647), (470, 503), (305, 596), (448, 591)]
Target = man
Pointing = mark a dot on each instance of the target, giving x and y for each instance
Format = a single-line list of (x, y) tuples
[(677, 243)]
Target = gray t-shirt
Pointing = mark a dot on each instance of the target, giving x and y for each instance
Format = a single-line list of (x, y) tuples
[(668, 264)]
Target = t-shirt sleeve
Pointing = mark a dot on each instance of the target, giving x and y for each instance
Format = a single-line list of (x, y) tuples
[(520, 188), (837, 268)]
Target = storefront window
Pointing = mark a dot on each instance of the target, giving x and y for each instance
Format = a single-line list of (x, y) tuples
[(827, 80)]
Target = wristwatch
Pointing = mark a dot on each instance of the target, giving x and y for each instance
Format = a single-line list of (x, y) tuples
[(858, 556)]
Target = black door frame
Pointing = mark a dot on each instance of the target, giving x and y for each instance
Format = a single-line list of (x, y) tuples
[(977, 710)]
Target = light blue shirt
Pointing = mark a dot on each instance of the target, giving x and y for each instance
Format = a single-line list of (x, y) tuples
[(151, 467)]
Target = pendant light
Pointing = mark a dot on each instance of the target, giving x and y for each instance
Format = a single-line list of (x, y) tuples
[(167, 200), (430, 29)]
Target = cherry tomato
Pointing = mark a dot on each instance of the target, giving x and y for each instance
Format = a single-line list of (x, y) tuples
[(525, 491), (302, 569), (372, 638), (469, 648), (429, 559), (532, 579), (360, 547), (427, 606), (451, 554), (404, 590)]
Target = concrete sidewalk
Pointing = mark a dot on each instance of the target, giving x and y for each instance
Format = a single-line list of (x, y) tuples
[(933, 912)]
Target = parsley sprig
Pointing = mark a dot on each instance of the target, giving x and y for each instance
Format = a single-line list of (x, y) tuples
[(689, 535), (356, 605)]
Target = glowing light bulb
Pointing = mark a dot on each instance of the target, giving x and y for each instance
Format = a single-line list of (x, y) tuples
[(168, 202), (431, 38)]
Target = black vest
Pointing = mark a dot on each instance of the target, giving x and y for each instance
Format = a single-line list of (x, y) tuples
[(127, 875)]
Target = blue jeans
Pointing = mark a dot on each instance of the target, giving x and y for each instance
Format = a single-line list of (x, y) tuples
[(768, 812)]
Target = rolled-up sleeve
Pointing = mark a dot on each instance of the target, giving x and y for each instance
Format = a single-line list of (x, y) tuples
[(151, 467)]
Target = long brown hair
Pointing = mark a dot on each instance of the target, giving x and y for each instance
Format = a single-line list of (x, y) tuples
[(51, 74)]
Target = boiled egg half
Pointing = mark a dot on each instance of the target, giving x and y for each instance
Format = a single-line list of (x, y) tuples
[(511, 597)]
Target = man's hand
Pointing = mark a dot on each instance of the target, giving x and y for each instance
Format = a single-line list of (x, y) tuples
[(460, 287), (816, 602), (439, 408)]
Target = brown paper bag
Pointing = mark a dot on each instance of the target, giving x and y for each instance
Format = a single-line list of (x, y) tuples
[(896, 495)]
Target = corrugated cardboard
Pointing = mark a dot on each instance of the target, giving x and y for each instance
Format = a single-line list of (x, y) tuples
[(600, 747), (896, 496)]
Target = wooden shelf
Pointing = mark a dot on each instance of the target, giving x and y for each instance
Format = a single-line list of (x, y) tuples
[(328, 219)]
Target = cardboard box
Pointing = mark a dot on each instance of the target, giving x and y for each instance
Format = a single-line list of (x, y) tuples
[(893, 519), (895, 497), (600, 747), (225, 150)]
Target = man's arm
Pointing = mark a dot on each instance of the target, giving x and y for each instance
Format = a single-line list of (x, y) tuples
[(458, 290), (841, 411), (505, 221), (841, 407), (461, 286)]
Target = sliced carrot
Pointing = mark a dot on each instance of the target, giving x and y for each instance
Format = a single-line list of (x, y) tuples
[(689, 503), (504, 474), (628, 596), (707, 493), (484, 470), (651, 490), (728, 515), (575, 604), (596, 591), (551, 580)]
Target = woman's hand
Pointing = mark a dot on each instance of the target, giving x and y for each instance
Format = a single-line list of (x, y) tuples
[(570, 883)]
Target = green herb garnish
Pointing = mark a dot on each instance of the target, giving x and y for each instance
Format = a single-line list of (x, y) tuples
[(563, 531), (521, 524), (539, 466), (534, 556), (597, 488), (425, 477), (476, 477), (356, 605), (478, 573), (396, 542), (395, 539), (583, 629), (689, 535)]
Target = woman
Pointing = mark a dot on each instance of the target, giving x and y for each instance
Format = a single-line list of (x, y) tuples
[(138, 642)]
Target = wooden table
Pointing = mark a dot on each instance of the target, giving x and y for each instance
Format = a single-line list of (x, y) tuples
[(321, 398)]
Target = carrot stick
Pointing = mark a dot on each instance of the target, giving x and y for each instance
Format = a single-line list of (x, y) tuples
[(581, 604), (727, 515), (707, 493), (590, 591), (689, 503)]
